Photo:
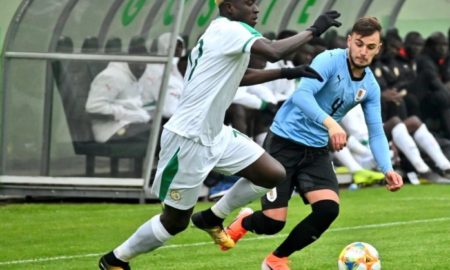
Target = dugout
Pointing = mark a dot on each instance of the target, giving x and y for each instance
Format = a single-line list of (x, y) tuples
[(40, 149)]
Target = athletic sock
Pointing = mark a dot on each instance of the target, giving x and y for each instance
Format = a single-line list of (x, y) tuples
[(426, 141), (242, 193), (357, 147), (309, 229), (148, 237), (345, 157), (406, 144)]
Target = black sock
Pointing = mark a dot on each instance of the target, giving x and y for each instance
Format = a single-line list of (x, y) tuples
[(261, 224), (310, 229), (208, 219), (112, 260)]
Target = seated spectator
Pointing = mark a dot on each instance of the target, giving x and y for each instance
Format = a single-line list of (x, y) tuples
[(116, 92), (429, 86), (408, 136), (153, 77)]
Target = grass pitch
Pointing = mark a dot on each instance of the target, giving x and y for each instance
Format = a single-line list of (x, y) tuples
[(409, 228)]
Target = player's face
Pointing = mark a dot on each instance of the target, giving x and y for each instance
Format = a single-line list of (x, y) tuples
[(362, 50), (245, 11)]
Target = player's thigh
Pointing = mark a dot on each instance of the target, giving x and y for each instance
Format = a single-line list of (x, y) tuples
[(316, 179), (182, 167), (239, 153), (290, 155)]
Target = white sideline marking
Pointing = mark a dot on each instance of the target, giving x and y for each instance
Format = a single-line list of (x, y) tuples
[(368, 226)]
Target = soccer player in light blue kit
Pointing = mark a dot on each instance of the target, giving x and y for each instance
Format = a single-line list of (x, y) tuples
[(303, 129)]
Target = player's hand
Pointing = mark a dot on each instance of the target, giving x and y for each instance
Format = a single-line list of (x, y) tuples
[(392, 95), (300, 71), (394, 181), (325, 21), (338, 137)]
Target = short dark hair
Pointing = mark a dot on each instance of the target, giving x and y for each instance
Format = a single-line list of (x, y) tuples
[(366, 26)]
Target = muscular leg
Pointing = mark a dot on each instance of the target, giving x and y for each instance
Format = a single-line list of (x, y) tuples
[(400, 134), (258, 178), (427, 142)]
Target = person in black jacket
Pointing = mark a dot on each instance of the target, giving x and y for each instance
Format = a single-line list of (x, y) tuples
[(429, 86)]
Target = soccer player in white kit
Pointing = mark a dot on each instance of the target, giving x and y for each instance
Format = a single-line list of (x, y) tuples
[(195, 140)]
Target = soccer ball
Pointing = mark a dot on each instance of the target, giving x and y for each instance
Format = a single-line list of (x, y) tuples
[(359, 256)]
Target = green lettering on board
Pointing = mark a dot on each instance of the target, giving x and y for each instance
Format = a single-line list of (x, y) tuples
[(203, 19), (304, 15), (168, 17), (268, 12), (131, 11)]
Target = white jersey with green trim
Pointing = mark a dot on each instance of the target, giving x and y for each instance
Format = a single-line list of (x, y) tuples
[(215, 69)]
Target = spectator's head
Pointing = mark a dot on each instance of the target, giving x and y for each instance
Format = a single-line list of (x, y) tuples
[(436, 46), (64, 45), (286, 33), (163, 42), (304, 55), (319, 45), (238, 10), (413, 44), (137, 47), (270, 35), (364, 42), (182, 63), (393, 45), (90, 45), (113, 45)]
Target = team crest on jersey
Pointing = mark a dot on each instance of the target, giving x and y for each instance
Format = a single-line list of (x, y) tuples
[(175, 195), (360, 94), (272, 195)]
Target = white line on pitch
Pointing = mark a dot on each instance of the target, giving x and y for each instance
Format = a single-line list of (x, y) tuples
[(368, 226)]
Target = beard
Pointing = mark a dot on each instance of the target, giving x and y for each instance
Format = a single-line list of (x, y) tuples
[(357, 65)]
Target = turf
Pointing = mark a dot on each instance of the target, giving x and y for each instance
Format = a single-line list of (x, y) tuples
[(410, 229)]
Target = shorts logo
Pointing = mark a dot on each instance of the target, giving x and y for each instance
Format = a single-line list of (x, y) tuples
[(272, 195), (360, 94), (175, 195)]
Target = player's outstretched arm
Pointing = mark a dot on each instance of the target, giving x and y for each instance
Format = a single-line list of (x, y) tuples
[(394, 181), (274, 51), (257, 76)]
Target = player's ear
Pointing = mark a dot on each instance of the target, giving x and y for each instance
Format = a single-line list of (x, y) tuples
[(380, 48), (349, 40)]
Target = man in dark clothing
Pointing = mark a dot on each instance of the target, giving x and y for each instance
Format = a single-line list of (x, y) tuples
[(429, 86)]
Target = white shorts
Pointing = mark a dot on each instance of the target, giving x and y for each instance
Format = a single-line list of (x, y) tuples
[(184, 164)]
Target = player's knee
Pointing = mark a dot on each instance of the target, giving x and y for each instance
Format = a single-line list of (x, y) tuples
[(262, 224), (325, 212), (175, 227), (175, 222)]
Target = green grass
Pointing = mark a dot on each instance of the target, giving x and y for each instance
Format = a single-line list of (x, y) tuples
[(410, 229)]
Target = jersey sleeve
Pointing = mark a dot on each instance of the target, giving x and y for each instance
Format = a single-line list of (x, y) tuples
[(239, 38), (304, 96), (377, 138)]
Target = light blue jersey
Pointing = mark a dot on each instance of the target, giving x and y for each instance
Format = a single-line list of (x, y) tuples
[(301, 117)]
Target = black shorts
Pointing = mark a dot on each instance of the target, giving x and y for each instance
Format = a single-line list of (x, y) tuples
[(307, 169)]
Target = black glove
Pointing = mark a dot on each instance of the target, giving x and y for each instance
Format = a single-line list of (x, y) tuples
[(325, 21), (300, 71)]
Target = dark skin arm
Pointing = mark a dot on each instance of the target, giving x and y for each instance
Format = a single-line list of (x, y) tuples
[(256, 76), (274, 51)]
